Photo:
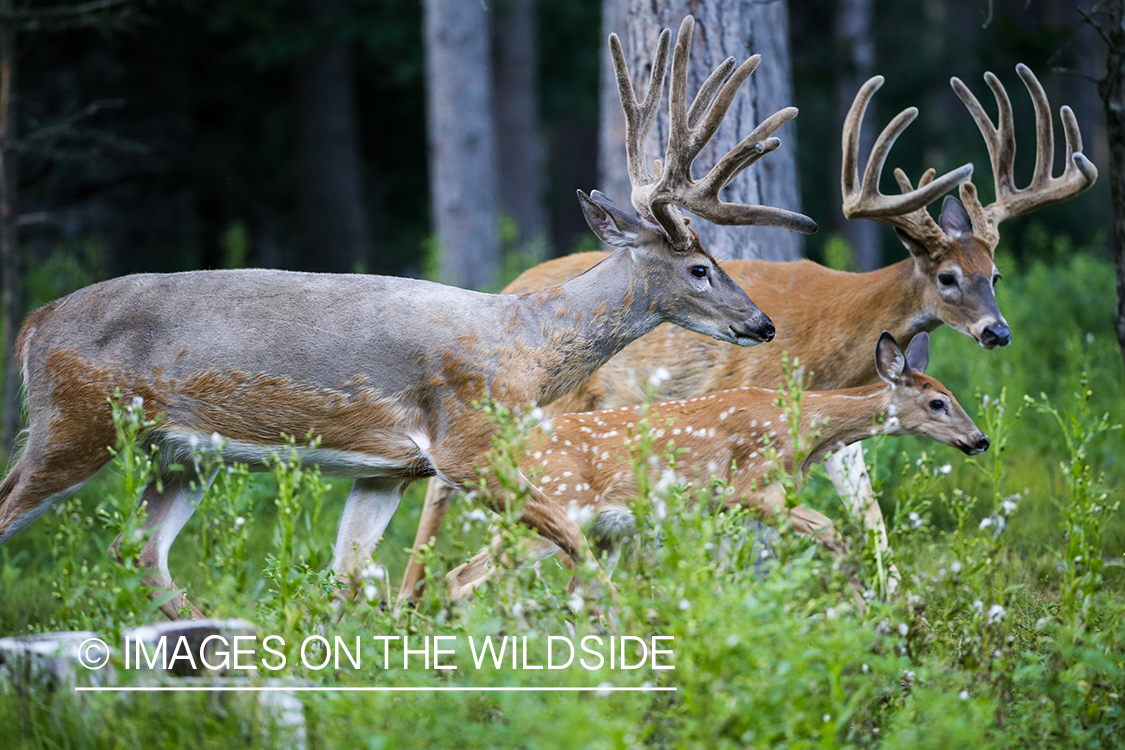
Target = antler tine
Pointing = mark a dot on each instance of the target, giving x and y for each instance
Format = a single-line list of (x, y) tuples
[(690, 130), (639, 116), (1044, 189), (749, 150), (678, 158), (862, 199), (709, 90)]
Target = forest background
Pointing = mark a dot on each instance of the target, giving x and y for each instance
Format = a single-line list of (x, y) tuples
[(163, 136)]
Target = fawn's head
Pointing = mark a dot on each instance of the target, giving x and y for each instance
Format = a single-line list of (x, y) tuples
[(919, 404)]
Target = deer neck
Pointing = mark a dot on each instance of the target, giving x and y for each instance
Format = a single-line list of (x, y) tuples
[(851, 416), (894, 302), (576, 326)]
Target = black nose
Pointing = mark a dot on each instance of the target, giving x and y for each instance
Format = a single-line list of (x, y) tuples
[(768, 331), (982, 443), (996, 334)]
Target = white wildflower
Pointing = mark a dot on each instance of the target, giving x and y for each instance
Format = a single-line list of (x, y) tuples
[(915, 520), (373, 570), (964, 694), (903, 629), (985, 523), (996, 613), (477, 515), (955, 568), (684, 604), (605, 690), (945, 469), (579, 514), (659, 376), (238, 522), (667, 481)]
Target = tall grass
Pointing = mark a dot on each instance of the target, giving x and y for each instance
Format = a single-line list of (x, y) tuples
[(1009, 631)]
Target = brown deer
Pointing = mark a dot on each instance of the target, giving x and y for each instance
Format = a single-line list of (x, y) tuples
[(384, 370), (820, 313), (581, 464)]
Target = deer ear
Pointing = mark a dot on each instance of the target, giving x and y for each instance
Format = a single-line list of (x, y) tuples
[(918, 352), (890, 362), (954, 219), (614, 225)]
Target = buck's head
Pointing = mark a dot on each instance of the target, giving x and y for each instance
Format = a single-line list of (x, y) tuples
[(958, 276), (688, 286), (919, 404), (954, 256), (697, 294)]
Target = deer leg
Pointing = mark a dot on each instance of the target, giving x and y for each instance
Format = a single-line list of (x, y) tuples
[(848, 472), (805, 521), (368, 510), (439, 496), (47, 471), (167, 508), (482, 567)]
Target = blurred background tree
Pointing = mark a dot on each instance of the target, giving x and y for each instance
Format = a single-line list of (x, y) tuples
[(293, 133)]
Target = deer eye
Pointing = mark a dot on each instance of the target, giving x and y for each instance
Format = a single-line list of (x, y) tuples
[(947, 279), (996, 279), (937, 404), (699, 272)]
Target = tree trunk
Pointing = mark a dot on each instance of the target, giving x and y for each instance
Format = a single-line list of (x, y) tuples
[(521, 157), (1112, 90), (856, 50), (736, 29), (9, 241), (613, 170), (462, 142), (333, 214)]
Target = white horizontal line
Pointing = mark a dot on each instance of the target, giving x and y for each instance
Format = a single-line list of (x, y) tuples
[(318, 689)]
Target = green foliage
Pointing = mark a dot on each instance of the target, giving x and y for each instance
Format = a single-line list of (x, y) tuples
[(1008, 631), (66, 269), (838, 254)]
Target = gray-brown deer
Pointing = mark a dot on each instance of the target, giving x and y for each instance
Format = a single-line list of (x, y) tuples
[(820, 313), (384, 370), (582, 463)]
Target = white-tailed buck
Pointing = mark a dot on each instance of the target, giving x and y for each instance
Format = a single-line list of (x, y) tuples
[(820, 313), (582, 465), (384, 370)]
